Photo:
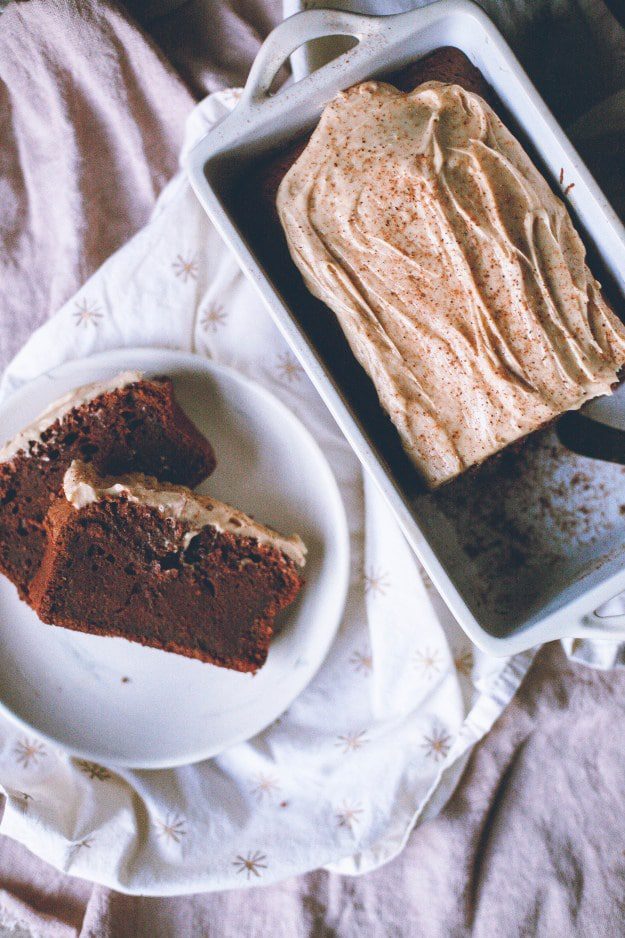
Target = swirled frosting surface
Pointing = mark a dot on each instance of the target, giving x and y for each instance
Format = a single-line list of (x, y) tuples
[(455, 272)]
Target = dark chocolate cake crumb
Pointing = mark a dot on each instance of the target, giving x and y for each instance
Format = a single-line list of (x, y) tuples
[(119, 568), (137, 427)]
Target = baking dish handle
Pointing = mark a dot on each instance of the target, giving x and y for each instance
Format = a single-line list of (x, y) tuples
[(292, 33), (604, 623)]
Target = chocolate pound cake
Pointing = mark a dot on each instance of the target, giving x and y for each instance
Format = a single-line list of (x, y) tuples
[(127, 423), (453, 272), (158, 565)]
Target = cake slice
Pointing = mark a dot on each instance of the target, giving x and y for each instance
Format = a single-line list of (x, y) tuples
[(126, 423), (156, 564)]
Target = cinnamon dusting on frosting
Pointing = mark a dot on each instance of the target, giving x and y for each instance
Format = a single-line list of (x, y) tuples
[(455, 272)]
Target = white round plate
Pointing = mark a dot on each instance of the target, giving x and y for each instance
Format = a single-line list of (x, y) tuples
[(115, 702)]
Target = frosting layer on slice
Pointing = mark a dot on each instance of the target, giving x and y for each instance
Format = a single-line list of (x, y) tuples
[(82, 486), (61, 407)]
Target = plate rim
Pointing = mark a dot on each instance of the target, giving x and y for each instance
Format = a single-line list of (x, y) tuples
[(200, 363)]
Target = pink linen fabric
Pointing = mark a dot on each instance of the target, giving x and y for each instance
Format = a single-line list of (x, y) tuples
[(530, 844), (91, 123)]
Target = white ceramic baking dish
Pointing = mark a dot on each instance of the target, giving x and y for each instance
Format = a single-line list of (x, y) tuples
[(585, 569)]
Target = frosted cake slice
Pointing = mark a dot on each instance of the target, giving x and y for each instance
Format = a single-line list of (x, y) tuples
[(127, 423), (153, 563)]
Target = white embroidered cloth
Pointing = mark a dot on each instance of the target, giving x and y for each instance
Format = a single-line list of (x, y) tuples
[(377, 741)]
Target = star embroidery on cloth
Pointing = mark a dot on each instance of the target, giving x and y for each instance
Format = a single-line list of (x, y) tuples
[(348, 815), (83, 844), (86, 314), (172, 829), (251, 865), (362, 662), (265, 787), (215, 317), (185, 269), (350, 742), (93, 770), (428, 661), (376, 582), (288, 368), (25, 798), (463, 662), (436, 745), (29, 752)]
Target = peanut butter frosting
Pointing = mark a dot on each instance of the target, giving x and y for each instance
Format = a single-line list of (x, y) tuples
[(82, 486), (455, 272)]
